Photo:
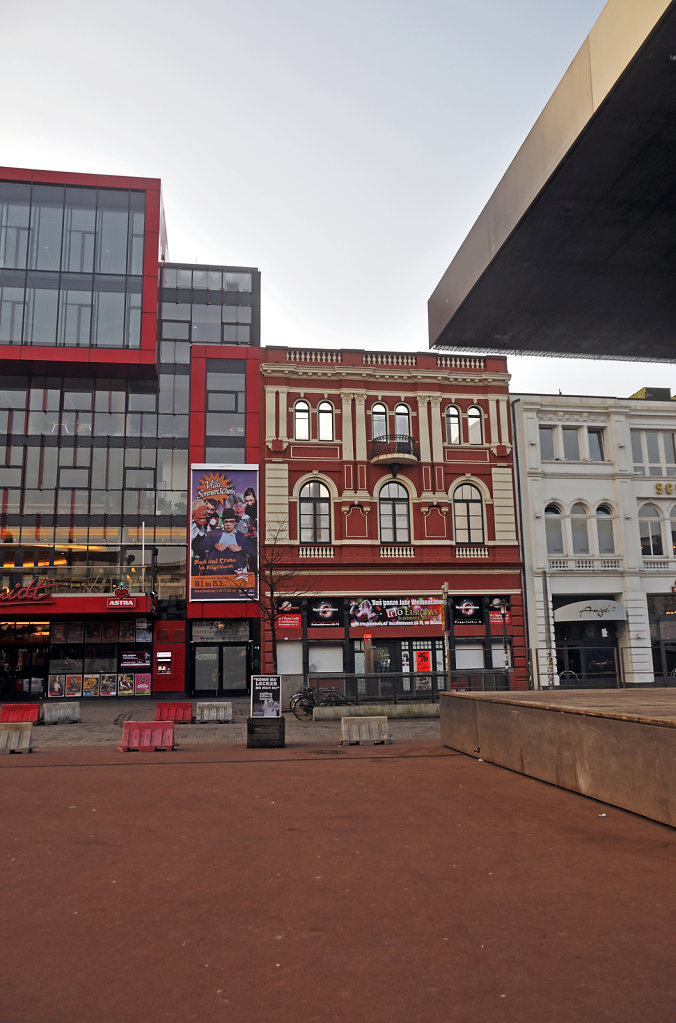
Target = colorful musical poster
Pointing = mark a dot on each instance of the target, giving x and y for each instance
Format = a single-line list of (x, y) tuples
[(223, 532)]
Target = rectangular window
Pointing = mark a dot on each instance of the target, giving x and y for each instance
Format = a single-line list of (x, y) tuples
[(11, 309), (595, 438), (571, 443), (46, 227), (547, 442), (79, 230), (14, 223)]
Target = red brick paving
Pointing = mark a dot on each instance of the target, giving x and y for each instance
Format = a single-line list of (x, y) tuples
[(400, 884)]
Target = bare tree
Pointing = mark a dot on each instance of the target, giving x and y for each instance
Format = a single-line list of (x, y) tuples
[(280, 577)]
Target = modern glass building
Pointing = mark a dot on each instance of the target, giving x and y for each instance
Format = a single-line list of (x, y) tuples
[(106, 349)]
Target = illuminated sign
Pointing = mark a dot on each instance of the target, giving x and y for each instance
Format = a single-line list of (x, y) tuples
[(121, 599), (38, 589)]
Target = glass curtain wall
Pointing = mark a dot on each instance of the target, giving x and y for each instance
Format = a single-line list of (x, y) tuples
[(71, 265)]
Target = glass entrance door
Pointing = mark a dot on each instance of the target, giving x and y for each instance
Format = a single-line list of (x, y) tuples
[(207, 668), (23, 672), (221, 669)]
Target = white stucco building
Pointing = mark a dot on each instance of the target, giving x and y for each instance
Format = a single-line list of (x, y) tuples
[(597, 481)]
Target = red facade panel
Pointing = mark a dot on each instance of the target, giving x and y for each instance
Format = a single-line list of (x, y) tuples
[(363, 555)]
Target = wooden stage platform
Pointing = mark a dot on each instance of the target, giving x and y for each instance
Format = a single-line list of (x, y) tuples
[(618, 746)]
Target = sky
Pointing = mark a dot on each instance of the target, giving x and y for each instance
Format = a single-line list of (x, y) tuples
[(345, 149)]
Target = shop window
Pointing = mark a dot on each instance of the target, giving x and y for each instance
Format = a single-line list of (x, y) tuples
[(553, 530), (314, 506), (452, 416), (394, 514), (604, 529), (579, 530), (325, 420), (673, 532), (379, 421), (475, 429), (650, 529), (468, 514), (301, 420)]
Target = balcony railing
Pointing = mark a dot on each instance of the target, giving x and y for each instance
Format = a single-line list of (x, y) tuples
[(394, 447), (315, 551), (585, 564), (472, 552), (394, 551)]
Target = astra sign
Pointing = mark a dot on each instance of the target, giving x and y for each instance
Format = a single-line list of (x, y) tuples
[(121, 598)]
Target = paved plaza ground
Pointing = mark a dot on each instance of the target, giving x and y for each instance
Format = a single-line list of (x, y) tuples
[(393, 883)]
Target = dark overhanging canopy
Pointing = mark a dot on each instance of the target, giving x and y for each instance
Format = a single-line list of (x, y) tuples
[(575, 252)]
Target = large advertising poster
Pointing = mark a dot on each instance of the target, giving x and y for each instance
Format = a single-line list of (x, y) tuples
[(223, 532), (384, 611)]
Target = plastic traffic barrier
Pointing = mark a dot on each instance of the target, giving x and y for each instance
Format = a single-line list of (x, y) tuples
[(177, 712), (213, 712), (147, 736), (16, 737), (19, 712), (355, 730)]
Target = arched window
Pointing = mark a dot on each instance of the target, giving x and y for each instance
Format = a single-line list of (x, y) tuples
[(314, 506), (553, 530), (468, 514), (604, 529), (301, 420), (379, 420), (650, 529), (475, 429), (579, 530), (394, 515), (402, 421), (325, 420), (452, 425)]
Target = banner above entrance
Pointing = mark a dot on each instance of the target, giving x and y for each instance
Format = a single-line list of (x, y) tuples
[(377, 611), (591, 611)]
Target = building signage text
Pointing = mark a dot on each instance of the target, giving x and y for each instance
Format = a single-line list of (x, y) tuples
[(38, 589)]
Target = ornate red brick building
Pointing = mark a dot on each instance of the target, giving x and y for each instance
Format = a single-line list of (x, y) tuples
[(389, 479)]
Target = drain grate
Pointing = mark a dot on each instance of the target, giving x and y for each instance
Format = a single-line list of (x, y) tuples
[(329, 752)]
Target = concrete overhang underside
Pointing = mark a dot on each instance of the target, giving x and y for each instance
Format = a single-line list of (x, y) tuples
[(575, 252)]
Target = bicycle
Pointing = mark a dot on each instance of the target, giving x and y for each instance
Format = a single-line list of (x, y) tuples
[(303, 703)]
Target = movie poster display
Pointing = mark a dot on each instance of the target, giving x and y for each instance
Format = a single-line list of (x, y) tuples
[(90, 685), (73, 685), (56, 685), (58, 632), (223, 532), (125, 684), (142, 685), (108, 686), (383, 611)]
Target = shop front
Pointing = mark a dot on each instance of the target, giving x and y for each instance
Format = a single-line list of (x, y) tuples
[(662, 616), (57, 646), (400, 643), (587, 634), (223, 656)]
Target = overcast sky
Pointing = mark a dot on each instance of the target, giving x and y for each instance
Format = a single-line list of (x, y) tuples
[(343, 148)]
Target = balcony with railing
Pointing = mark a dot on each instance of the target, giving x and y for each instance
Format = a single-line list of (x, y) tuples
[(394, 448), (585, 564)]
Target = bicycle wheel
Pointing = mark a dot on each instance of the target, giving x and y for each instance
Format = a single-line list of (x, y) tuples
[(303, 707)]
